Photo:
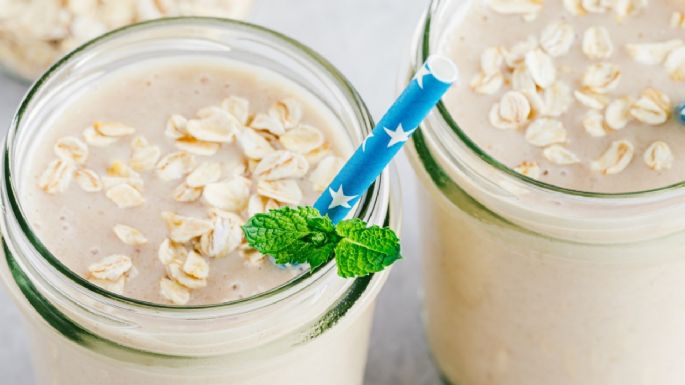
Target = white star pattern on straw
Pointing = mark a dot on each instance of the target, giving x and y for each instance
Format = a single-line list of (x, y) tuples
[(339, 198), (398, 136), (364, 142), (423, 71)]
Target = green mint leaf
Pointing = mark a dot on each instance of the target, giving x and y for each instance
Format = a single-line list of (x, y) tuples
[(303, 235), (364, 250), (293, 235)]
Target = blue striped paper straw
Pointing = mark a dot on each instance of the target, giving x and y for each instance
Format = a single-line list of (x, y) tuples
[(429, 84), (680, 110)]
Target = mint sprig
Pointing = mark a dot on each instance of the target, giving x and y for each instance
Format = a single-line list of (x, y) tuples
[(303, 235)]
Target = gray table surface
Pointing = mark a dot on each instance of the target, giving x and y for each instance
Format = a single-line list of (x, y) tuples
[(368, 40)]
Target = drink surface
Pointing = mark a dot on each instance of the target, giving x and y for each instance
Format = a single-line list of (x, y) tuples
[(574, 97), (180, 242)]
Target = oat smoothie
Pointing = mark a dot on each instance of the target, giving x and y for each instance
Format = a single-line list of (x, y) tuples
[(157, 182), (607, 76), (135, 188), (547, 274)]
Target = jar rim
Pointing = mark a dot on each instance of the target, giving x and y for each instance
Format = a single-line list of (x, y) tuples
[(425, 50), (366, 206)]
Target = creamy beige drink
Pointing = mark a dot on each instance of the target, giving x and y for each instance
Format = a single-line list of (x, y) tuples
[(528, 283), (150, 207), (568, 85), (128, 172)]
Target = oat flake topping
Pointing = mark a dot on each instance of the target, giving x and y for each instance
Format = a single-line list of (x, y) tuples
[(535, 93), (280, 155)]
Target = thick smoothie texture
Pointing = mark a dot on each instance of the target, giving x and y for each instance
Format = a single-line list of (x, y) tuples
[(124, 193), (550, 92), (526, 285)]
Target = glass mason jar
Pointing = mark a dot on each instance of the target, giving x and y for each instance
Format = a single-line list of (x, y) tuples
[(311, 330), (531, 284), (35, 33)]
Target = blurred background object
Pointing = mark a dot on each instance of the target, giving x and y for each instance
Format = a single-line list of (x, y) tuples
[(35, 33)]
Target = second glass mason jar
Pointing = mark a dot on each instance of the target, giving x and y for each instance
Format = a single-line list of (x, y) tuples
[(309, 331), (531, 284)]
